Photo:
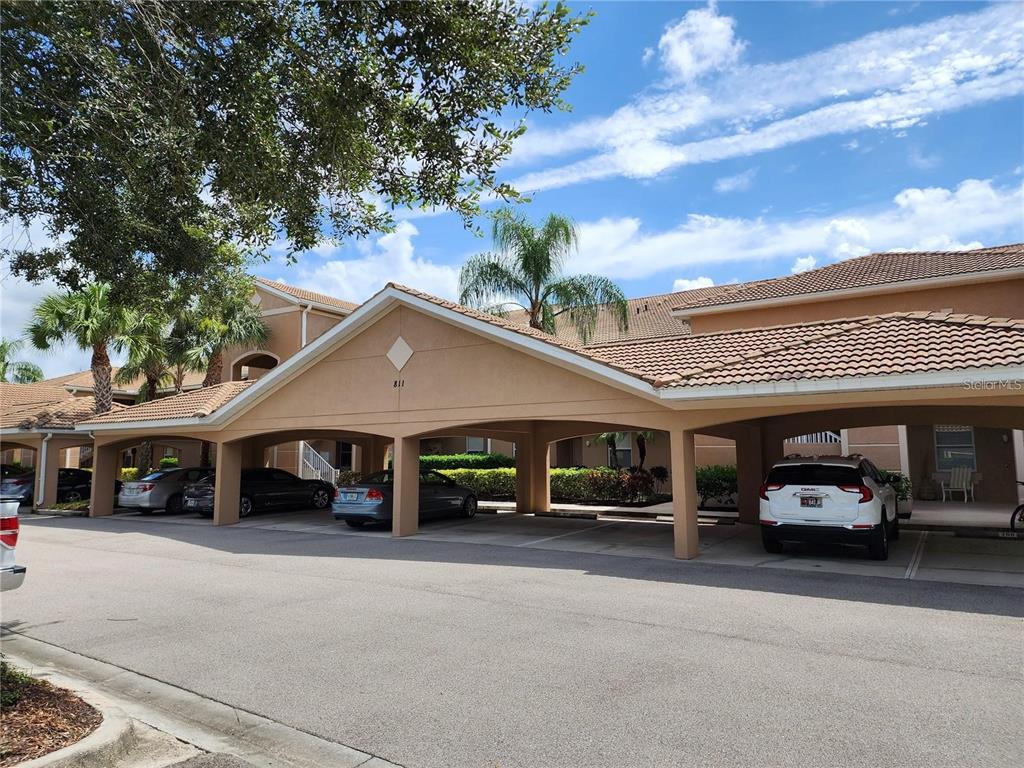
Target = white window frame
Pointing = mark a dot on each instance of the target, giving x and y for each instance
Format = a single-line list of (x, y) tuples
[(623, 444), (973, 445), (485, 443)]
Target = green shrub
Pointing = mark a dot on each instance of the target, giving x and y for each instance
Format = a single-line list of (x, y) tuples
[(348, 477), (129, 474), (900, 482), (595, 484), (467, 461), (716, 481), (169, 462), (660, 475), (13, 683)]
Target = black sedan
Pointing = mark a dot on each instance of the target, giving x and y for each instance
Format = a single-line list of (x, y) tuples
[(261, 489), (72, 485)]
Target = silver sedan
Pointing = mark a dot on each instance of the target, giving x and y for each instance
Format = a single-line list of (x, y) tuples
[(161, 489)]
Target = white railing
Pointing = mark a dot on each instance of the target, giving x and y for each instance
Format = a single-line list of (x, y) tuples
[(817, 437), (313, 466)]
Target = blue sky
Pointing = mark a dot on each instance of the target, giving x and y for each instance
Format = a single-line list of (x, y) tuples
[(717, 143), (744, 140)]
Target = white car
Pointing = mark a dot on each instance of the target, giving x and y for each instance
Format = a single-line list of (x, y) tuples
[(11, 574), (829, 498)]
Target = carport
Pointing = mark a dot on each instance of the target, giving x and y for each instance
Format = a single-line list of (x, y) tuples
[(407, 366)]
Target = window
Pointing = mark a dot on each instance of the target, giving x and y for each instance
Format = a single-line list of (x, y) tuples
[(623, 451), (477, 445), (954, 447)]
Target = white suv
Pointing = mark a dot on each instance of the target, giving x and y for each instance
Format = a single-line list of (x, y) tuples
[(829, 498)]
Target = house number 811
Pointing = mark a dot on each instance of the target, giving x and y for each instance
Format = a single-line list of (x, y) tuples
[(399, 383)]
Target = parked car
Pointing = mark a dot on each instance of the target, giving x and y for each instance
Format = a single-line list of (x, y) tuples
[(160, 489), (832, 498), (11, 574), (72, 485), (261, 489), (370, 500)]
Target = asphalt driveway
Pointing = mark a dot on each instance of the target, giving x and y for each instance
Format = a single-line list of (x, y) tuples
[(453, 653)]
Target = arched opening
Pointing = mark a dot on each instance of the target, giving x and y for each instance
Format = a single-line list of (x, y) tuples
[(253, 365)]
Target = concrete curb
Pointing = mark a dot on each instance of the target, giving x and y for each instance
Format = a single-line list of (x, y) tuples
[(206, 724), (111, 742)]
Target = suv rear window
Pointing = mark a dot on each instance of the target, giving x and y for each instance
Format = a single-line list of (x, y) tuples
[(814, 474)]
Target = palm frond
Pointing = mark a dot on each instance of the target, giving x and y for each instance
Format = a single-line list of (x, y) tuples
[(582, 297), (488, 279)]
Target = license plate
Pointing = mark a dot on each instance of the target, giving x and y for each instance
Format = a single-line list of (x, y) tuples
[(191, 502), (350, 496), (129, 491), (810, 501)]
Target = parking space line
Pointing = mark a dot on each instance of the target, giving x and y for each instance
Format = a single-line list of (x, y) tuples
[(915, 561), (567, 533)]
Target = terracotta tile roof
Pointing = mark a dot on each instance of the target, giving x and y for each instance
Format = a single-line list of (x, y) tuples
[(649, 317), (303, 295), (83, 380), (892, 344), (15, 396), (64, 414), (871, 270), (199, 403)]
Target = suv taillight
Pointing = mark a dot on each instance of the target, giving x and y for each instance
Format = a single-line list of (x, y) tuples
[(765, 487), (144, 487), (9, 527), (18, 480), (863, 490), (374, 495)]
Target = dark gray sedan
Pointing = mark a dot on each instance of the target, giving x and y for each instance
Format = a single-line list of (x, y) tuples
[(369, 501)]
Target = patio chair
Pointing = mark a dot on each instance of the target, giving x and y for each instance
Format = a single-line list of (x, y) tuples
[(961, 480)]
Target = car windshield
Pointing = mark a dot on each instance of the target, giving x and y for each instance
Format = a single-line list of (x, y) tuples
[(814, 474), (153, 476), (379, 478)]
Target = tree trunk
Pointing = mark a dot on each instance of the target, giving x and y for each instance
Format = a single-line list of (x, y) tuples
[(204, 454), (214, 369), (103, 390), (641, 448), (613, 455), (145, 457)]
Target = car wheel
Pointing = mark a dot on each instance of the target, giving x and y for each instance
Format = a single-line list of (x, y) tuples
[(245, 506), (72, 496), (321, 498), (469, 507), (207, 515), (894, 530), (878, 546), (357, 524), (174, 505), (771, 544)]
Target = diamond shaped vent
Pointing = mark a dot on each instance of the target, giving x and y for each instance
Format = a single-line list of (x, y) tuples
[(399, 353)]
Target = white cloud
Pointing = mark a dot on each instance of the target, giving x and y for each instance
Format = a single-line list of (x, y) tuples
[(851, 145), (889, 80), (689, 284), (802, 264), (388, 258), (700, 42), (738, 183), (916, 219)]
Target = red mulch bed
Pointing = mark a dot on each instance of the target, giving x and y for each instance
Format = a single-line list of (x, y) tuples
[(43, 719)]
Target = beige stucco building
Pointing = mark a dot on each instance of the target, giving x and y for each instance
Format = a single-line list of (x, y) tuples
[(913, 359)]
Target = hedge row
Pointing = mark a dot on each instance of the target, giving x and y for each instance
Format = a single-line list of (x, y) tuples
[(467, 461), (594, 484)]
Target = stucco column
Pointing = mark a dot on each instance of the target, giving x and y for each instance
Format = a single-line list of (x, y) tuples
[(46, 473), (538, 474), (226, 485), (405, 514), (684, 494), (104, 474), (749, 472), (524, 478)]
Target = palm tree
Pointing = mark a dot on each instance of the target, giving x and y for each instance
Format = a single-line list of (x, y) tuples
[(150, 361), (92, 319), (611, 439), (16, 371), (205, 332), (525, 271)]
